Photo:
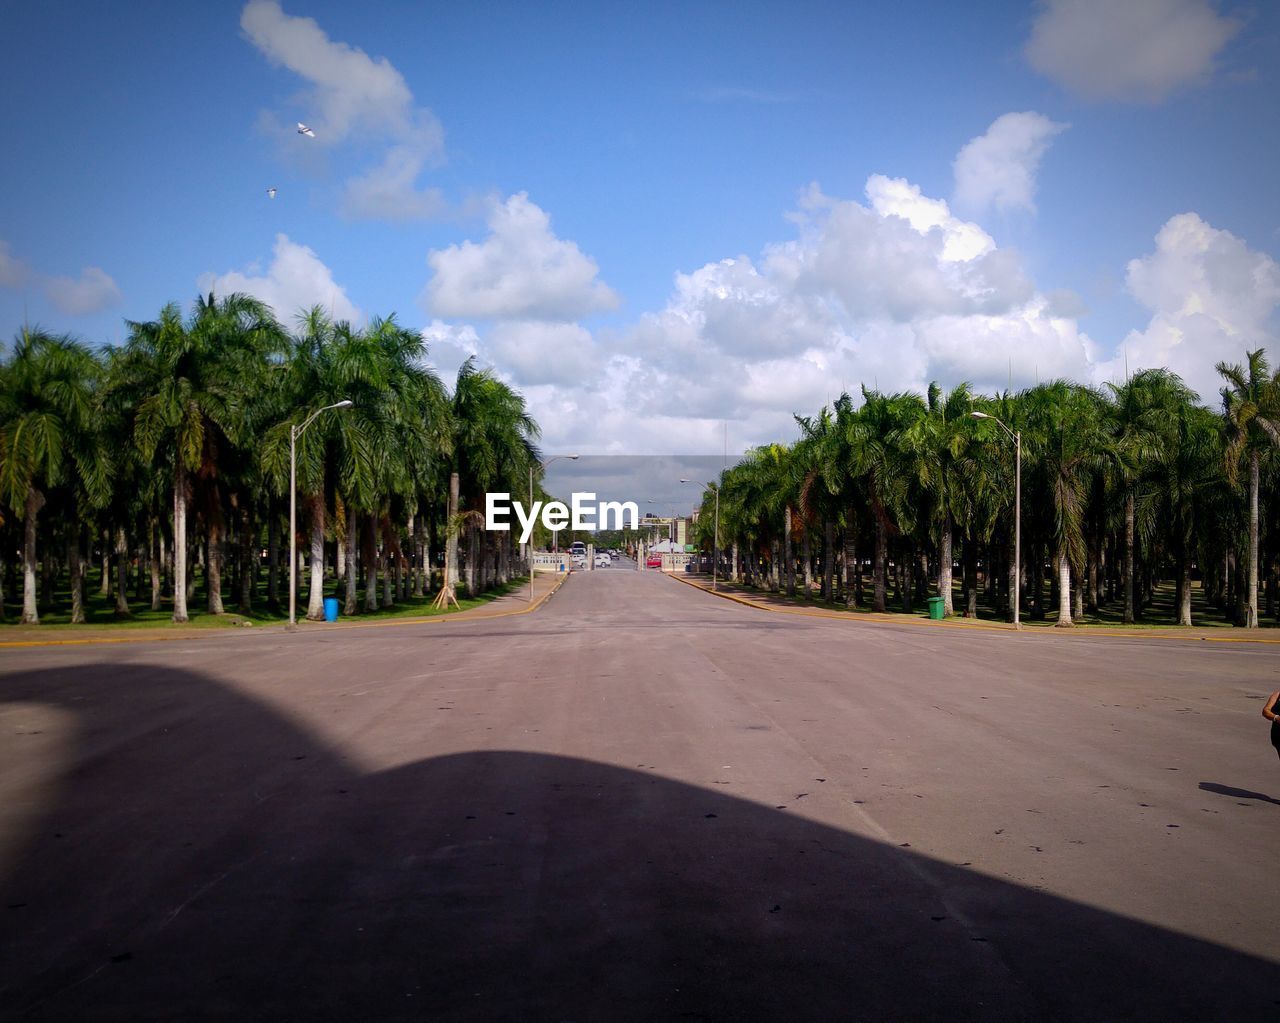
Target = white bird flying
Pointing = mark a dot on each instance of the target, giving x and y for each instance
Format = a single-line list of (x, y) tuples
[(304, 130), (271, 193)]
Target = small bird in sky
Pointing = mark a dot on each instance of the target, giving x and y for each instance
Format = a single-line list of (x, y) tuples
[(271, 193), (304, 130)]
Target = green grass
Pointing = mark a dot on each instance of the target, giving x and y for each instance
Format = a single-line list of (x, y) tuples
[(100, 611), (1160, 613)]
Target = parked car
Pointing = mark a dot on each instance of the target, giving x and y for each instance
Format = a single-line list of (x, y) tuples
[(653, 561), (603, 560)]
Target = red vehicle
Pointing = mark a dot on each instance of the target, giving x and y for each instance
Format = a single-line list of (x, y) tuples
[(653, 561)]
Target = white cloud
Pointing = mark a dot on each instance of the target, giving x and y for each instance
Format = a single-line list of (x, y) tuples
[(449, 345), (14, 273), (295, 281), (521, 271), (1211, 298), (354, 97), (893, 292), (998, 169), (91, 292), (1134, 50), (536, 352)]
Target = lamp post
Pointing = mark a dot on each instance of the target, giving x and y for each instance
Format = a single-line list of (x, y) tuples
[(715, 540), (295, 432), (543, 467), (1017, 514)]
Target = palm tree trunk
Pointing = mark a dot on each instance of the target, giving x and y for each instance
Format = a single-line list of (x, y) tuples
[(370, 560), (352, 581), (851, 573), (155, 558), (1184, 590), (421, 567), (907, 569), (248, 560), (788, 562), (944, 566), (806, 557), (213, 563), (447, 594), (828, 557), (339, 536), (1129, 613), (1251, 601), (388, 592), (75, 565), (1077, 597), (122, 573), (315, 599), (104, 577), (34, 502), (273, 556), (180, 543), (970, 569), (1064, 590), (879, 594)]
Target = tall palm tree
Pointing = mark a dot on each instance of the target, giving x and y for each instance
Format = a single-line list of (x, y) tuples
[(875, 462), (189, 379), (1251, 416), (492, 444), (1140, 415), (1070, 439), (47, 437)]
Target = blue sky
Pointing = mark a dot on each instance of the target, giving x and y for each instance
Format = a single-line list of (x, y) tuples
[(558, 189)]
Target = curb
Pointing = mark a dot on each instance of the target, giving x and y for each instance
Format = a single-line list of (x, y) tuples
[(202, 633), (1086, 631)]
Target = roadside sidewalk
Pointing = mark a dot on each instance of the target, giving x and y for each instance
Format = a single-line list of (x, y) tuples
[(514, 603), (781, 605)]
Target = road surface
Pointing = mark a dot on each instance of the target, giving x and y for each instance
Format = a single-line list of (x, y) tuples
[(641, 802)]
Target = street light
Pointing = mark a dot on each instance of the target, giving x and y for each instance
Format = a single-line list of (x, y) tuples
[(715, 542), (1017, 514), (529, 552), (295, 432)]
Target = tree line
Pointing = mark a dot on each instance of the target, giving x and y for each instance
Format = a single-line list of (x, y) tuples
[(171, 454), (1123, 488)]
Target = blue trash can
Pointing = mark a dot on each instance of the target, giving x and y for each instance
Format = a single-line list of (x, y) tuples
[(330, 609)]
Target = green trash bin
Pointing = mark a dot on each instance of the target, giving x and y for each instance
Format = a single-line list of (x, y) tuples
[(935, 608)]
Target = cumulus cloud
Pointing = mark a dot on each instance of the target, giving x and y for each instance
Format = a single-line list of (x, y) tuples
[(294, 281), (354, 97), (892, 291), (449, 345), (91, 292), (521, 271), (14, 273), (1211, 298), (536, 352), (1137, 50), (998, 168)]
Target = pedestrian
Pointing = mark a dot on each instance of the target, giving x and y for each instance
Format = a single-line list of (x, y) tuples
[(1272, 713)]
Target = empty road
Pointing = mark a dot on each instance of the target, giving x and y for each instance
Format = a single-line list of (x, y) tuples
[(641, 802)]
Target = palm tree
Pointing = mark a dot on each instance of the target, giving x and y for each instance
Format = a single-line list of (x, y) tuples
[(875, 463), (1251, 417), (1140, 414), (189, 379), (493, 442), (1070, 439), (47, 437)]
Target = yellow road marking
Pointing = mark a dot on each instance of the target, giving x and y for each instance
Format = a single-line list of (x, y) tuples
[(872, 619)]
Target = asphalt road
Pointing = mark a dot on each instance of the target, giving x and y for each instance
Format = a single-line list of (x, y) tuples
[(641, 802)]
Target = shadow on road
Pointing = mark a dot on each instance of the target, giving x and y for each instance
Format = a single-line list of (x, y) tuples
[(201, 856), (1227, 790)]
